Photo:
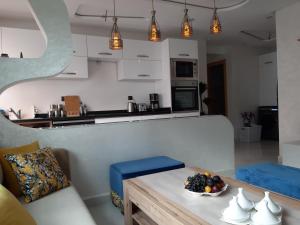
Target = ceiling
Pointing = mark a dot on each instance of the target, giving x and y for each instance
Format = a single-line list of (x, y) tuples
[(256, 16)]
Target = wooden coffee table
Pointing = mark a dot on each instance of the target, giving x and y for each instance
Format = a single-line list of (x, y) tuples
[(160, 199)]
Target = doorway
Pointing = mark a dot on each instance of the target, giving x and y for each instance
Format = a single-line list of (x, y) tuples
[(217, 88)]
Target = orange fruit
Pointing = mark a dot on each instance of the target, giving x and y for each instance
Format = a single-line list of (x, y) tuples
[(207, 174), (207, 189)]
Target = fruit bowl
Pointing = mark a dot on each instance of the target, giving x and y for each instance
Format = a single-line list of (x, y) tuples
[(205, 184), (215, 194)]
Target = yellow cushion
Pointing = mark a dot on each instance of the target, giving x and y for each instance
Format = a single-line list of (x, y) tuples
[(11, 211), (10, 180), (38, 173)]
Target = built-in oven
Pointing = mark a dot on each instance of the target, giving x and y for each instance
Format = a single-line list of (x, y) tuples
[(184, 69), (185, 95)]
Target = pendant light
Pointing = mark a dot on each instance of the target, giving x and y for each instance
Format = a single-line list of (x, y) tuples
[(154, 31), (116, 42), (186, 27), (215, 27)]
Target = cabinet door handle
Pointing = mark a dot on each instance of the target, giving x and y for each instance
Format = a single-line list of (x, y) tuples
[(184, 54), (74, 51), (142, 56), (268, 62), (144, 75), (104, 53), (70, 73)]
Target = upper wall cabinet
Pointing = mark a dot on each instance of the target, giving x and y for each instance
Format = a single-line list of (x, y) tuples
[(139, 70), (135, 49), (79, 45), (30, 42), (78, 69), (180, 48), (98, 48)]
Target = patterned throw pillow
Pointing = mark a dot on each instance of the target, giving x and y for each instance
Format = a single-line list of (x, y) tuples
[(38, 173)]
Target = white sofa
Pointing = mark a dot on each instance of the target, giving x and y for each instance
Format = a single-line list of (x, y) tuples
[(64, 207)]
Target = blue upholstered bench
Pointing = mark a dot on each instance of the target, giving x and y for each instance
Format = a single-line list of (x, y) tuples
[(130, 169), (275, 177)]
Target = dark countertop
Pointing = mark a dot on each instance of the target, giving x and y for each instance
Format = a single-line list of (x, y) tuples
[(98, 114)]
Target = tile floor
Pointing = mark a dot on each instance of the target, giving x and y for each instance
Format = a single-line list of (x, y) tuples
[(105, 213)]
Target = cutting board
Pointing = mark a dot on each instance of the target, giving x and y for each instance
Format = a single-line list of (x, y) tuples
[(72, 106)]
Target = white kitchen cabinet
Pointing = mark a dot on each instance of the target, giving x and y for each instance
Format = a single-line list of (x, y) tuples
[(180, 48), (98, 48), (30, 42), (79, 45), (136, 49), (139, 70), (78, 69)]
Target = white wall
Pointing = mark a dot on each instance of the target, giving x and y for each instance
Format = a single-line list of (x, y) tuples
[(101, 91), (242, 79), (288, 57), (268, 79)]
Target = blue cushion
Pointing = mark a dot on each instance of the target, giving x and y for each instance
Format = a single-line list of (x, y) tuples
[(130, 169), (277, 178)]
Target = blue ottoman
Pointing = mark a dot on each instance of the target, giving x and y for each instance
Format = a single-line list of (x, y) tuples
[(275, 177), (130, 169)]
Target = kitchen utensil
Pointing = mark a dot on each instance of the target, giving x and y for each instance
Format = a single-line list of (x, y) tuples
[(131, 106), (154, 101), (142, 107)]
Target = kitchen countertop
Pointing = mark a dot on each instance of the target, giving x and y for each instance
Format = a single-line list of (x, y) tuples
[(98, 114)]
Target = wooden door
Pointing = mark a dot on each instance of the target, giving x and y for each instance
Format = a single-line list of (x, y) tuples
[(217, 88)]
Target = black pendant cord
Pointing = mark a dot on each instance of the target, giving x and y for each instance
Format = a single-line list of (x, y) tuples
[(114, 8)]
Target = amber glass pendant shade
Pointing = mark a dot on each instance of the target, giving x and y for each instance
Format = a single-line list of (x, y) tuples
[(186, 27), (115, 42), (215, 27), (154, 31)]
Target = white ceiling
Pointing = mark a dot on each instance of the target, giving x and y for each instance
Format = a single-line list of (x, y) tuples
[(254, 16)]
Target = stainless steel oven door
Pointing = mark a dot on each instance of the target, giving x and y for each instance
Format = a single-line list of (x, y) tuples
[(185, 99)]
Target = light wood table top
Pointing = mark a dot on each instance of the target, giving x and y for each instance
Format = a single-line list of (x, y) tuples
[(161, 199)]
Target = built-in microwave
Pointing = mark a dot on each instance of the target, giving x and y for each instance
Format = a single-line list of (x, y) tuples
[(184, 69), (185, 95)]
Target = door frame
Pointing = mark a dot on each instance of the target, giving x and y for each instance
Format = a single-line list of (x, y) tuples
[(220, 62)]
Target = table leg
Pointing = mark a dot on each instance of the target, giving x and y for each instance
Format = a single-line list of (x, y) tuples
[(127, 205)]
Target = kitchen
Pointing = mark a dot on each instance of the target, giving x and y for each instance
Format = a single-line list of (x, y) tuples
[(104, 78)]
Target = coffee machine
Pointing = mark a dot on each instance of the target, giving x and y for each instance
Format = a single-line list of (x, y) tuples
[(154, 101)]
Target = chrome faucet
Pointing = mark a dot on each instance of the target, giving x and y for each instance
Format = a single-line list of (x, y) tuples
[(17, 114)]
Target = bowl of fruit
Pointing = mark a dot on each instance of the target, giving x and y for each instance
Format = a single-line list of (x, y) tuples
[(205, 184)]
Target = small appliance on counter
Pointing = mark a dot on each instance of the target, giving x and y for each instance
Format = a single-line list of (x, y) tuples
[(56, 111), (142, 107), (131, 105), (154, 101)]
